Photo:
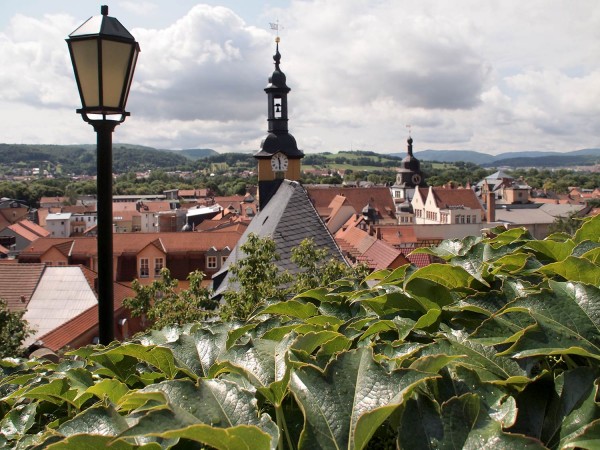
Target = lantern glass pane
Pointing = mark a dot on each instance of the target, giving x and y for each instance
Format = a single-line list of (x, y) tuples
[(115, 62), (85, 57), (131, 70)]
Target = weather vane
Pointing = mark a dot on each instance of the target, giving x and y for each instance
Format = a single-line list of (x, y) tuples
[(409, 127), (275, 26)]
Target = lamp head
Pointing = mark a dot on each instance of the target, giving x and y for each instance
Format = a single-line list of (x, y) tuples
[(104, 55)]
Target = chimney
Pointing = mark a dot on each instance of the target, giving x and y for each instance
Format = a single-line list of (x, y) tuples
[(491, 208)]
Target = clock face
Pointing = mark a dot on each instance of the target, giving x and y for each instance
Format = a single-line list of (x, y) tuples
[(279, 162), (416, 178)]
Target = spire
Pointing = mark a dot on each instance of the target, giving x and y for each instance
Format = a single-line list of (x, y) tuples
[(277, 55), (410, 141)]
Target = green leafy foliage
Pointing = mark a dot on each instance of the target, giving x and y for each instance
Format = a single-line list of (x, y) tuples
[(163, 304), (497, 348), (13, 331)]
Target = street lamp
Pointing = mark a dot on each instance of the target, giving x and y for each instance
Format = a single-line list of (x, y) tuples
[(104, 54)]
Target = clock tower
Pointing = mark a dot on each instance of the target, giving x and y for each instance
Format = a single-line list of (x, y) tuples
[(279, 156), (409, 176)]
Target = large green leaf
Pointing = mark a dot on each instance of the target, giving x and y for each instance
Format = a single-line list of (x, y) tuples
[(18, 421), (589, 230), (344, 405), (467, 425), (291, 308), (91, 442), (551, 251), (558, 410), (567, 320), (588, 438), (241, 437), (463, 422), (217, 403), (450, 248), (159, 357), (574, 269), (485, 360), (103, 420)]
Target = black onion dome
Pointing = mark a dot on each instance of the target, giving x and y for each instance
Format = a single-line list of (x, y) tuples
[(279, 142), (410, 162)]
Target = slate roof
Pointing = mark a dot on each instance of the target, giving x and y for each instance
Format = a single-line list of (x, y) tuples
[(289, 218)]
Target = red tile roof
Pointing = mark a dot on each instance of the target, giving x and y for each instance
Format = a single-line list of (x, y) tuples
[(419, 259), (23, 232), (34, 228), (378, 197), (176, 242), (70, 331), (447, 198), (18, 282), (397, 234), (363, 247)]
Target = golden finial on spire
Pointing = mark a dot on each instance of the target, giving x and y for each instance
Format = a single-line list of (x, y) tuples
[(277, 39)]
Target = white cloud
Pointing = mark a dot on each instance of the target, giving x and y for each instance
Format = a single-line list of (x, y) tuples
[(491, 76)]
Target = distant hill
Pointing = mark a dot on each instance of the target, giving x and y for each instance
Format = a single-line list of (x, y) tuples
[(526, 158), (452, 156), (197, 153), (81, 159)]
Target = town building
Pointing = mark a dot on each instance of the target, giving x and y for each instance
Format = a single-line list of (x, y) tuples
[(141, 255)]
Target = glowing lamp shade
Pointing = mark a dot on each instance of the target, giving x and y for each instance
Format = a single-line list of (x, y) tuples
[(104, 55)]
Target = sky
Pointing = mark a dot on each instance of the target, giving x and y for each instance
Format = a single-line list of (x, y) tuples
[(489, 76)]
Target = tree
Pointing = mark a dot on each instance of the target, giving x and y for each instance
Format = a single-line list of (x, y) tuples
[(568, 224), (318, 268), (257, 276), (13, 331), (163, 304), (260, 279)]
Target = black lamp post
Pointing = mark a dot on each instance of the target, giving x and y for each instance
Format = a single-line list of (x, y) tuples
[(104, 54)]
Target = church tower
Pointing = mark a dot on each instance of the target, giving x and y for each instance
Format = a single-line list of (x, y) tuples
[(409, 176), (279, 156)]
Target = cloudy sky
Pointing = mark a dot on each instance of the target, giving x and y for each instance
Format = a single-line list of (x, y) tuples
[(465, 74)]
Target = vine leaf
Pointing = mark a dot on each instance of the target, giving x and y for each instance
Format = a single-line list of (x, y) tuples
[(567, 321), (344, 406)]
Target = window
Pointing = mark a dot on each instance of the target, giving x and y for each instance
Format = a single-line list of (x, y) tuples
[(158, 266), (144, 268), (457, 219), (474, 219), (468, 219), (211, 262), (223, 259)]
